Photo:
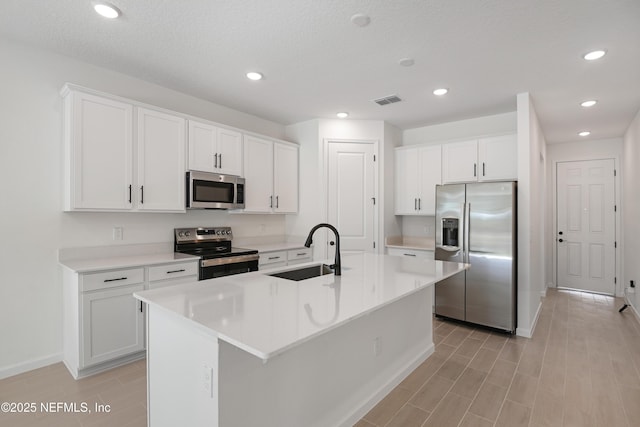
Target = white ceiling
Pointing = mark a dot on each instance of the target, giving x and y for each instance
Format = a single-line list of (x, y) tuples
[(316, 62)]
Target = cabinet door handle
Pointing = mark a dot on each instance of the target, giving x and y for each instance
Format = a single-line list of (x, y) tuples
[(114, 280), (142, 195), (277, 202), (483, 169), (474, 169), (271, 201), (140, 306), (419, 204), (129, 193), (215, 160), (176, 271), (220, 161), (415, 204)]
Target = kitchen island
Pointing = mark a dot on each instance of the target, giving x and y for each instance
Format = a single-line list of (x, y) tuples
[(256, 350)]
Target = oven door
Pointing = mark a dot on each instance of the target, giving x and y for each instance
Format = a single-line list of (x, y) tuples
[(219, 267)]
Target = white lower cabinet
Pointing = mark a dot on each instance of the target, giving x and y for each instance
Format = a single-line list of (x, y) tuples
[(412, 253), (103, 324), (112, 324), (284, 258)]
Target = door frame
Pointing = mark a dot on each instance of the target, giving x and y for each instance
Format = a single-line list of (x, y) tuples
[(619, 287), (325, 187)]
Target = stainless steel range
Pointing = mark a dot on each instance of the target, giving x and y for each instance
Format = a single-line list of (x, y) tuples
[(217, 257)]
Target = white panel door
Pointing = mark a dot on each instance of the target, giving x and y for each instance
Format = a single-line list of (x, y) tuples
[(430, 167), (229, 152), (161, 161), (351, 193), (586, 225), (407, 181)]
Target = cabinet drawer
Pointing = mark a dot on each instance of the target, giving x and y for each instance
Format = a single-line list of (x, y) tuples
[(299, 254), (272, 257), (171, 271), (111, 279), (413, 253)]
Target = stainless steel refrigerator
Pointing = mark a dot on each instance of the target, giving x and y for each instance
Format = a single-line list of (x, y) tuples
[(476, 224)]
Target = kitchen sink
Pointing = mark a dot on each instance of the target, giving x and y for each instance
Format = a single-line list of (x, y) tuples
[(304, 272)]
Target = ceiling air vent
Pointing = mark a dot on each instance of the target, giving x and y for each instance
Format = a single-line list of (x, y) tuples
[(387, 100)]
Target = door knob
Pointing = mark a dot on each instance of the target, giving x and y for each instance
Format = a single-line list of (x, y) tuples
[(560, 233), (560, 240)]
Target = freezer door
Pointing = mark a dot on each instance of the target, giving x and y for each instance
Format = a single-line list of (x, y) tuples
[(491, 279), (450, 293)]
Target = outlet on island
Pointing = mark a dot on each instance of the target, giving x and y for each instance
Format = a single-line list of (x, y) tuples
[(117, 233)]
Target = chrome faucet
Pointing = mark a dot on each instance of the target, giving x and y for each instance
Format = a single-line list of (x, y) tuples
[(336, 263)]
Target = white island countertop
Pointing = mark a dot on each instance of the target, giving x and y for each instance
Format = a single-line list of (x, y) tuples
[(266, 316)]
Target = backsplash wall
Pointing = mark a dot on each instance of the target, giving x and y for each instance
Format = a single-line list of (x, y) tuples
[(418, 226)]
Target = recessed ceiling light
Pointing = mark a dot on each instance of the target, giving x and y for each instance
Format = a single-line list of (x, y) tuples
[(360, 20), (406, 62), (584, 133), (106, 10), (590, 103), (252, 75), (596, 54), (441, 91), (342, 115)]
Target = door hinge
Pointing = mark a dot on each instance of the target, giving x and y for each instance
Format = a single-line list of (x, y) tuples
[(615, 244), (615, 280), (374, 245), (374, 200), (374, 157), (615, 208), (614, 172)]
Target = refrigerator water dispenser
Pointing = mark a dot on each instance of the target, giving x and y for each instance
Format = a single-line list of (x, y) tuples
[(450, 232)]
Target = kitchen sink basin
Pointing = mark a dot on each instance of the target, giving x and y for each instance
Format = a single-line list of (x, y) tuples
[(304, 272)]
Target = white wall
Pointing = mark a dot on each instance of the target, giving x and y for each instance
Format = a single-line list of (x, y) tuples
[(33, 225), (631, 210), (574, 151), (470, 128), (531, 225)]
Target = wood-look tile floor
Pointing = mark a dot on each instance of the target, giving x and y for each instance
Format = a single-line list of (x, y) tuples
[(581, 368)]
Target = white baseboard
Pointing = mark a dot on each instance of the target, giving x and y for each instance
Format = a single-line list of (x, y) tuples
[(380, 394), (528, 333), (29, 365)]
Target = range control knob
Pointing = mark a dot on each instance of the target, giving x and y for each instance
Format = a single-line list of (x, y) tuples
[(219, 232), (181, 233), (187, 233), (228, 232)]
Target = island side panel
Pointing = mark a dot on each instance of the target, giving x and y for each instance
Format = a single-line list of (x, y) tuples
[(182, 372), (333, 379)]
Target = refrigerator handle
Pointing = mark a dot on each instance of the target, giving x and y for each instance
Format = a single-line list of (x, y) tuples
[(467, 232)]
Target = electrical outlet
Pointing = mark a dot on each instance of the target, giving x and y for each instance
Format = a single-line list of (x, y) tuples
[(117, 233), (376, 346)]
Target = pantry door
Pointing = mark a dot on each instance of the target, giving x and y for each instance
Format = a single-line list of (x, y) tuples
[(351, 195), (586, 221)]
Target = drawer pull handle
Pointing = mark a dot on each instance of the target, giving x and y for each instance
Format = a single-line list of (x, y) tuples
[(176, 271), (114, 280), (409, 254), (301, 254), (274, 257)]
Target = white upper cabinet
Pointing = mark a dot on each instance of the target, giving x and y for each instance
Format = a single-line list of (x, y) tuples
[(418, 171), (498, 158), (484, 159), (114, 166), (285, 178), (160, 161), (214, 149), (271, 174), (460, 162), (99, 149)]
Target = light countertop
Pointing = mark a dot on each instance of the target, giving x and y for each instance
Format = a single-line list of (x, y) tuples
[(265, 315), (117, 262), (409, 242)]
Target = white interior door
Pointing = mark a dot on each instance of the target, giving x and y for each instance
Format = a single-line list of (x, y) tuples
[(586, 225), (351, 195)]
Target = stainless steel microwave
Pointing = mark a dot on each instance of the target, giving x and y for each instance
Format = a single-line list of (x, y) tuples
[(207, 190)]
